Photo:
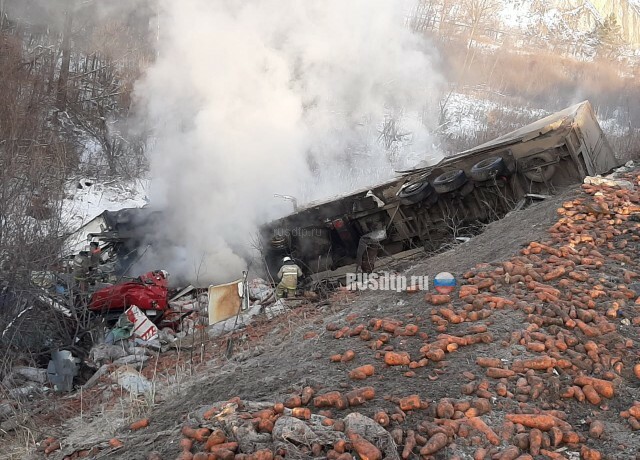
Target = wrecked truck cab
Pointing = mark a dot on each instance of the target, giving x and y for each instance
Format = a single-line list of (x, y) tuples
[(427, 208), (149, 292)]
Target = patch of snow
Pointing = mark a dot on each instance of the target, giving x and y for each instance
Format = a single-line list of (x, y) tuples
[(467, 114), (85, 199), (613, 127)]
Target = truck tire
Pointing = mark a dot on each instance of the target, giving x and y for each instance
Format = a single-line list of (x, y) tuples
[(543, 174), (450, 181), (488, 169), (414, 192)]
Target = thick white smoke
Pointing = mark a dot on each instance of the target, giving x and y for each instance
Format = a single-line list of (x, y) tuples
[(254, 97)]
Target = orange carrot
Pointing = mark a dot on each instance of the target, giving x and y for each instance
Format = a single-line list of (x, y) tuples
[(367, 371), (488, 362), (499, 373), (348, 356), (293, 401), (592, 395), (541, 422), (307, 394), (587, 453), (478, 424), (215, 438), (509, 453), (535, 441), (445, 409), (143, 423), (232, 446), (331, 399), (301, 413), (603, 387), (186, 444), (435, 443), (410, 403), (115, 443), (409, 444), (397, 359), (364, 448)]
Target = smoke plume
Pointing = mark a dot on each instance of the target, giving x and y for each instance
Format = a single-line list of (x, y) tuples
[(249, 98)]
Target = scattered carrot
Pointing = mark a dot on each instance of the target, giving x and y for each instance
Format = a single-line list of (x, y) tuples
[(231, 446), (587, 453), (348, 355), (186, 444), (307, 395), (603, 387), (397, 359), (541, 422), (382, 418), (293, 401), (535, 441), (596, 429), (435, 443), (143, 423), (478, 424), (215, 438), (303, 413), (362, 372), (331, 399), (52, 447), (592, 395), (498, 373), (364, 449), (488, 362), (115, 443), (509, 453), (410, 403), (409, 444), (445, 409), (200, 434)]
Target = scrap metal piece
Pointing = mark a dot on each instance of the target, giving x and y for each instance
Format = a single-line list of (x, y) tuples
[(61, 370), (225, 301)]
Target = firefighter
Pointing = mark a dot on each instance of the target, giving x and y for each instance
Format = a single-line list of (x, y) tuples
[(288, 275), (95, 256), (81, 272)]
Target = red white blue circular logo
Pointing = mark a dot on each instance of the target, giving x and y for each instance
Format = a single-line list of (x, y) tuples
[(444, 282)]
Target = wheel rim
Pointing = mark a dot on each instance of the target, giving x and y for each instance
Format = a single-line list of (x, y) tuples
[(412, 187)]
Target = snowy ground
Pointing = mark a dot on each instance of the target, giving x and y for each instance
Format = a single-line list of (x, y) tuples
[(86, 199)]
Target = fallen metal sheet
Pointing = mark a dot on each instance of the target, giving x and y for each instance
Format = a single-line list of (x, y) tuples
[(225, 301), (62, 368), (182, 293)]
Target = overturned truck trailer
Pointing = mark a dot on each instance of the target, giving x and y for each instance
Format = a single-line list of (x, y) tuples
[(431, 206)]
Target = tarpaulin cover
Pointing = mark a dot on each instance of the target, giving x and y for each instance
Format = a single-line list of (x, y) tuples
[(147, 292)]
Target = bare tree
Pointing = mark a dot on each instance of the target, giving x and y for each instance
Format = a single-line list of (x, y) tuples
[(67, 30), (479, 14)]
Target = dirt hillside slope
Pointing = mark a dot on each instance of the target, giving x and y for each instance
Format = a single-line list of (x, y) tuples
[(535, 355)]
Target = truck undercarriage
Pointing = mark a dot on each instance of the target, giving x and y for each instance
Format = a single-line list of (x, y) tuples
[(433, 206)]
